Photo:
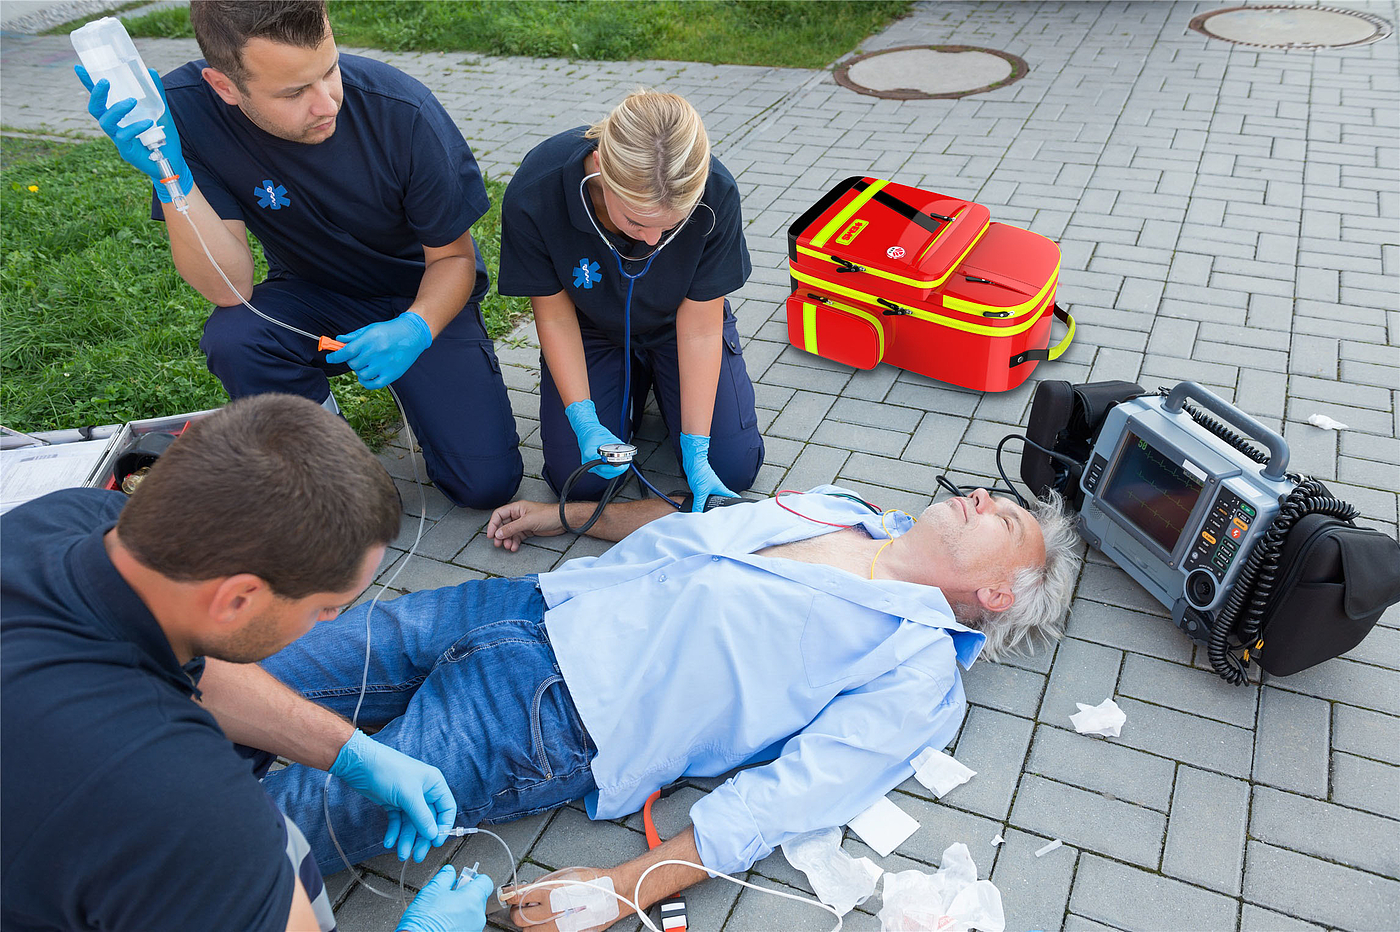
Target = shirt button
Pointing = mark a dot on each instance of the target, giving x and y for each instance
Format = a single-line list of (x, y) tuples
[(661, 578), (714, 559)]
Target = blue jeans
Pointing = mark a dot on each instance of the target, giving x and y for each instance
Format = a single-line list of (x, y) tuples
[(463, 678)]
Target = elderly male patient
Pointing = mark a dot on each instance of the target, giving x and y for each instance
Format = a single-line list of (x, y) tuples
[(808, 627)]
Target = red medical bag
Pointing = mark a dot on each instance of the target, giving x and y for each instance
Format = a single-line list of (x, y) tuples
[(885, 272)]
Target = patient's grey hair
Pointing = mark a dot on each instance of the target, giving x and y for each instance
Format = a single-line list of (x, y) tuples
[(1036, 618)]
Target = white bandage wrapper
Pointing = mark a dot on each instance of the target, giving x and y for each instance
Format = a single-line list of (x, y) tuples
[(884, 826), (839, 880), (1103, 719), (939, 772), (582, 906)]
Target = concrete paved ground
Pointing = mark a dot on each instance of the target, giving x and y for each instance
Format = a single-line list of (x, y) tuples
[(1227, 214)]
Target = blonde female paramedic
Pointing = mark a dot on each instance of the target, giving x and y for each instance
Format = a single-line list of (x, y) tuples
[(626, 236)]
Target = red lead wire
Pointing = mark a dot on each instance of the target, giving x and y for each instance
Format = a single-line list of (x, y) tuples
[(778, 497)]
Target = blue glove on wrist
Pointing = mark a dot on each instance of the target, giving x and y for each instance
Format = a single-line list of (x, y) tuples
[(414, 794), (380, 353), (695, 457), (128, 146), (439, 908), (583, 418)]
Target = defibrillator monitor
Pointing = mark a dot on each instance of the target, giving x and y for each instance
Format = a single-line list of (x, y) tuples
[(1177, 499)]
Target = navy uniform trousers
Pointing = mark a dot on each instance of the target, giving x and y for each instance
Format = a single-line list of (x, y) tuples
[(736, 446), (453, 393)]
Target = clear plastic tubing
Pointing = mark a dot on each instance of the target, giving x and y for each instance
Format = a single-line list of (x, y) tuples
[(106, 51)]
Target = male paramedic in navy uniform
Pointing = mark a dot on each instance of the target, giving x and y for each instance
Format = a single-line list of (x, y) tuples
[(129, 635), (362, 192)]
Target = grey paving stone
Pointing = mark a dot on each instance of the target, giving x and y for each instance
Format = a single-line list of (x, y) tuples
[(1034, 890), (993, 744), (1381, 647), (1128, 630), (1076, 923), (1325, 830), (1133, 899), (1206, 831), (801, 415), (816, 465), (1362, 783), (1186, 689), (1098, 764), (1082, 672), (872, 440), (1111, 585), (940, 825), (1366, 733), (1089, 820), (1004, 687), (1333, 895), (755, 910), (1254, 919), (1342, 680), (1190, 739)]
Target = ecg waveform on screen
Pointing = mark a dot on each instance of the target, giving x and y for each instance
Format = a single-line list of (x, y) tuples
[(1163, 495)]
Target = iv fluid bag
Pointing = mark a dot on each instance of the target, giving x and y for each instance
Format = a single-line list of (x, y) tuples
[(108, 52)]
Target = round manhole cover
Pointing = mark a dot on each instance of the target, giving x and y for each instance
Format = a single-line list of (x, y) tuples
[(1292, 27), (923, 72)]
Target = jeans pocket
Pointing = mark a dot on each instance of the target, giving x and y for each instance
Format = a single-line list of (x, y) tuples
[(537, 726)]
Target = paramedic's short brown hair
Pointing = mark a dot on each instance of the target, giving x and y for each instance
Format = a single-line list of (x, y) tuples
[(272, 485), (223, 27)]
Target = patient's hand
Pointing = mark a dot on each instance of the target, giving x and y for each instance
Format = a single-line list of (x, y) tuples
[(513, 523), (532, 909)]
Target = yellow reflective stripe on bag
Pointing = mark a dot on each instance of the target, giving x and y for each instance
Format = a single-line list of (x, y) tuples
[(847, 213)]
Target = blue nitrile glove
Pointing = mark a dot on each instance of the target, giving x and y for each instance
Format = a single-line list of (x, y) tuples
[(583, 418), (439, 908), (695, 457), (128, 146), (380, 353), (404, 787)]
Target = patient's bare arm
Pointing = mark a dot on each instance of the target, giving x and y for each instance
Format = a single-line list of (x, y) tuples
[(518, 521)]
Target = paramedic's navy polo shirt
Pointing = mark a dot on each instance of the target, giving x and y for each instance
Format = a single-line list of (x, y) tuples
[(124, 806), (350, 214), (548, 244)]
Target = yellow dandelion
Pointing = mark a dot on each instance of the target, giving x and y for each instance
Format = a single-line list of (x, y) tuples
[(34, 189)]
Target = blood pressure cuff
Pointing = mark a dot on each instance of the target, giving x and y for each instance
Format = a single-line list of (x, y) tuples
[(716, 501)]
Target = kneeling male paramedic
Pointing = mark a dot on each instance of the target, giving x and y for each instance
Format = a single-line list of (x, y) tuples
[(130, 632), (362, 192), (694, 646)]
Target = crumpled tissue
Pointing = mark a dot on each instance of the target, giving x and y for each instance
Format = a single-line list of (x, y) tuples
[(884, 826), (1102, 719), (839, 880), (939, 772), (1325, 422), (952, 900)]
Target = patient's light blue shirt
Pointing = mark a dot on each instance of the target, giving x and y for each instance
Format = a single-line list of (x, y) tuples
[(688, 655)]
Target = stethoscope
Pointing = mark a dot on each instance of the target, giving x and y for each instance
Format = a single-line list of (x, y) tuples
[(619, 453)]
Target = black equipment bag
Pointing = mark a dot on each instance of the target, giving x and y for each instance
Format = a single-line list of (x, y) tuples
[(1335, 581), (1066, 418)]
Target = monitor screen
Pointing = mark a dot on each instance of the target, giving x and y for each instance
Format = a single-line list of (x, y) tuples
[(1151, 492)]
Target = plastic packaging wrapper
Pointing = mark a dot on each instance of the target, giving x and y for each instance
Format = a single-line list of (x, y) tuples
[(839, 880), (884, 826), (1103, 719), (1325, 422), (952, 900), (939, 772)]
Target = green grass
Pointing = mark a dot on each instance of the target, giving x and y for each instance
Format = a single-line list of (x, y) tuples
[(69, 26), (775, 33), (96, 326)]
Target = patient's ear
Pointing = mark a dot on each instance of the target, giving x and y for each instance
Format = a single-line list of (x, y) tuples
[(996, 598)]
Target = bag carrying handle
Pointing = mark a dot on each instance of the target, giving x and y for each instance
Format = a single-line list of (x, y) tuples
[(1054, 352)]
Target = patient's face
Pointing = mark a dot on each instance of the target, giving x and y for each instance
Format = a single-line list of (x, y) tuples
[(977, 540)]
